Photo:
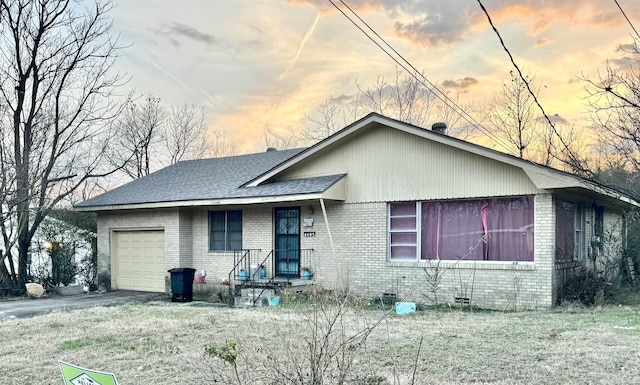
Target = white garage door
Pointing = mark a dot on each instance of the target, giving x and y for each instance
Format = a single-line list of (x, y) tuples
[(140, 260)]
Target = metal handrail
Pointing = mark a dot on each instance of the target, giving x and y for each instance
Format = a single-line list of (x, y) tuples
[(246, 258)]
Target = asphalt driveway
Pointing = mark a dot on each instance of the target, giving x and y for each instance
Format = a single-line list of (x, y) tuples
[(30, 307)]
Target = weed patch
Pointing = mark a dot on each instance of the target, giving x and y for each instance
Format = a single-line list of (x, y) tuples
[(78, 343), (151, 343)]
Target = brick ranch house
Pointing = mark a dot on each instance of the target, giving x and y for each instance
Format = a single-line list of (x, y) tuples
[(367, 209)]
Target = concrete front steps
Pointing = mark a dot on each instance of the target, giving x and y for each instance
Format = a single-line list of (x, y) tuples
[(249, 295)]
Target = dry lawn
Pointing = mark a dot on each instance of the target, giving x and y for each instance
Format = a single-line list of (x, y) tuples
[(163, 343)]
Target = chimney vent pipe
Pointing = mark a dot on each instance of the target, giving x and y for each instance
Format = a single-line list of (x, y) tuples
[(439, 128)]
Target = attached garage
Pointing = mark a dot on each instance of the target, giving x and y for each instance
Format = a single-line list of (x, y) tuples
[(138, 260)]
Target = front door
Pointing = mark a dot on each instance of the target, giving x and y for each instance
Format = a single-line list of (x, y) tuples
[(287, 224)]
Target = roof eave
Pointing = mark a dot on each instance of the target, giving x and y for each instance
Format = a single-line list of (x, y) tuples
[(334, 193)]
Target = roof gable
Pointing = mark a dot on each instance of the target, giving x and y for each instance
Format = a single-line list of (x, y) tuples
[(543, 177)]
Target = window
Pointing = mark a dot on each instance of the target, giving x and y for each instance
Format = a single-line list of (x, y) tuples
[(569, 234), (403, 231), (499, 229), (225, 230), (598, 227), (579, 234)]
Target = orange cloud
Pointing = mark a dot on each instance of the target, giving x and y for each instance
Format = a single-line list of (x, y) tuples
[(542, 42)]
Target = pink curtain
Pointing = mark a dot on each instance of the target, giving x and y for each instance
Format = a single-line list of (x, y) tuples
[(499, 229), (452, 230), (510, 222)]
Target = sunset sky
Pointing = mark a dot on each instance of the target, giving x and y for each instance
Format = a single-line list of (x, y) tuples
[(259, 65)]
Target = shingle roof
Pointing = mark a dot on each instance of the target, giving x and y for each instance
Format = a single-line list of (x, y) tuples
[(207, 179)]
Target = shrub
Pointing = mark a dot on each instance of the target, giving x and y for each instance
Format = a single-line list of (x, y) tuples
[(586, 287)]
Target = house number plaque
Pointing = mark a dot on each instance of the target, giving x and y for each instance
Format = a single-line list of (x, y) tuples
[(309, 234)]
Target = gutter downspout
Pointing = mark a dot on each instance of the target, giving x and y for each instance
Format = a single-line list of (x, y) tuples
[(326, 223)]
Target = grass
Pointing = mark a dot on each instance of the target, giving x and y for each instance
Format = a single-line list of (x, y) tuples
[(164, 343)]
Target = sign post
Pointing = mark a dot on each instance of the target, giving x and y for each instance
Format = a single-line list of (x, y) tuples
[(75, 375)]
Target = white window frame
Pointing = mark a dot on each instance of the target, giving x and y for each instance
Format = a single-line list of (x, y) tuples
[(418, 232)]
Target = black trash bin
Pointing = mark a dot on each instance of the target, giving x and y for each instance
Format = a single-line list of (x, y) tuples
[(182, 284)]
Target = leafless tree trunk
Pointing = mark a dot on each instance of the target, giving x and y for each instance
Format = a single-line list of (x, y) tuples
[(56, 98)]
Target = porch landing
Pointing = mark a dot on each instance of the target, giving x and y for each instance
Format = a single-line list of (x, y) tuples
[(277, 281), (261, 292)]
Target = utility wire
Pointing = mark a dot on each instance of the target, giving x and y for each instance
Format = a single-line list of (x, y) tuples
[(460, 111), (609, 88), (457, 108), (628, 21), (575, 162), (407, 62), (444, 98)]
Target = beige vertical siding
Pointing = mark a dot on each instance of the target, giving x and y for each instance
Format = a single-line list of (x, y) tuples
[(390, 165)]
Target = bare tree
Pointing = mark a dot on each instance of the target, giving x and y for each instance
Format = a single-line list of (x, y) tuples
[(282, 141), (405, 98), (138, 131), (56, 93), (614, 101), (559, 146), (457, 124), (186, 136), (512, 115), (158, 137), (218, 144), (323, 123)]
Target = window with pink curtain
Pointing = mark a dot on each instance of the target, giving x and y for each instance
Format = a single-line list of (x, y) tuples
[(510, 229), (452, 230), (497, 229)]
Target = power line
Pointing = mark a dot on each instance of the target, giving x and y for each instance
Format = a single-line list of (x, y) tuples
[(575, 161), (628, 21), (444, 98), (460, 111), (475, 122)]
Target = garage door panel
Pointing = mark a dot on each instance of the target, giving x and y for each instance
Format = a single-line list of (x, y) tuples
[(140, 260)]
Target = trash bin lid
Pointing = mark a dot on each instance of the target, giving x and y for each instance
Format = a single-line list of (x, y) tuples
[(182, 270)]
